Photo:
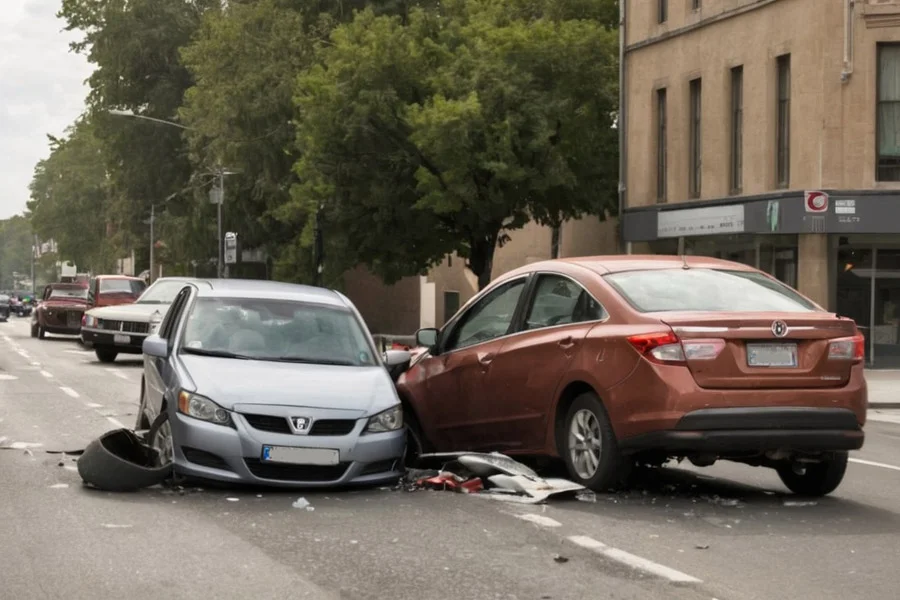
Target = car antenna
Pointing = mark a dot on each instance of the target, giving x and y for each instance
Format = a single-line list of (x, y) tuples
[(684, 264)]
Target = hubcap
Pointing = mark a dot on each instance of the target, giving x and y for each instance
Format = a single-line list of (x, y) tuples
[(585, 443), (163, 444)]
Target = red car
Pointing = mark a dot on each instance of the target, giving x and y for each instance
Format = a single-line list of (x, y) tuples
[(112, 290), (60, 309), (609, 361)]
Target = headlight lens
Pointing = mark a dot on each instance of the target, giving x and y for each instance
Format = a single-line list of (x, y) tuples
[(388, 420), (200, 407)]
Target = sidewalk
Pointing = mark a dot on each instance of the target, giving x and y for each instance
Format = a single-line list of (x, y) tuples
[(884, 388)]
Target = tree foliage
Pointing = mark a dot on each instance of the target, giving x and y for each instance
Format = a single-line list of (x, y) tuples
[(447, 130), (15, 251)]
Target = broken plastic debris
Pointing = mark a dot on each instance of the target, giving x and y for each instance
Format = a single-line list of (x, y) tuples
[(702, 546), (560, 559), (301, 503), (586, 496), (233, 499)]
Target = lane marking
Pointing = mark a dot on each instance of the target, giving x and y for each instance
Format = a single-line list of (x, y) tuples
[(70, 392), (93, 405), (7, 377), (539, 520), (119, 374), (47, 374), (635, 562), (115, 422), (34, 363), (874, 464)]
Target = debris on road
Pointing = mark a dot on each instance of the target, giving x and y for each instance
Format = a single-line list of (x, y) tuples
[(493, 475), (119, 461), (303, 503), (560, 559), (702, 546), (800, 503)]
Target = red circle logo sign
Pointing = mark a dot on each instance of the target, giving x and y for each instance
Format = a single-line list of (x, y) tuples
[(816, 202)]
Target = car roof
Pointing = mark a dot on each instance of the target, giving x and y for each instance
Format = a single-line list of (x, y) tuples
[(618, 263), (258, 288)]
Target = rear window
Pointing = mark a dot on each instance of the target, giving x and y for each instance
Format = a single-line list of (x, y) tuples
[(122, 286), (707, 290)]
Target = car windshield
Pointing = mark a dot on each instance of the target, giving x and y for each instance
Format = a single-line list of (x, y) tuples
[(276, 330), (68, 292), (706, 290), (122, 286), (161, 292)]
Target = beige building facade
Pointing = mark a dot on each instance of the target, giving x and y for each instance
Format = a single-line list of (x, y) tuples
[(768, 132)]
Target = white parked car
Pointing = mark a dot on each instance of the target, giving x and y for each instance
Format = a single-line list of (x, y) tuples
[(121, 329)]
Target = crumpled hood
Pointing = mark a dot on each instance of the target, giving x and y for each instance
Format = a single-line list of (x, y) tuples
[(229, 381), (129, 312)]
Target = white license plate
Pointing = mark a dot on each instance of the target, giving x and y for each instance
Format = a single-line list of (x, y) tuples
[(301, 456), (772, 355), (121, 339)]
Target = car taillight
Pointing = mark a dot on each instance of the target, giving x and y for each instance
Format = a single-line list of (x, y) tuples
[(851, 348), (666, 348)]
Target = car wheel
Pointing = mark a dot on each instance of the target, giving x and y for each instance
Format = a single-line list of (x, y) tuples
[(415, 440), (41, 332), (160, 439), (589, 446), (106, 355), (816, 479), (34, 330)]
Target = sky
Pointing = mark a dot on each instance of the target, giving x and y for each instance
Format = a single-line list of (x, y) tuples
[(42, 91)]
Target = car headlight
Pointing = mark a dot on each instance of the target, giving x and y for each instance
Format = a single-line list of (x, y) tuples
[(200, 407), (387, 420)]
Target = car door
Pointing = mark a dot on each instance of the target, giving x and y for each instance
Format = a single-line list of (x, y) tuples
[(526, 374), (456, 376), (157, 373)]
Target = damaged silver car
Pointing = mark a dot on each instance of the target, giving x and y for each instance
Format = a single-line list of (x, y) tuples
[(270, 383)]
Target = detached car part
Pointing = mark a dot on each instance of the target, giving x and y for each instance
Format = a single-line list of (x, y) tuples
[(119, 461)]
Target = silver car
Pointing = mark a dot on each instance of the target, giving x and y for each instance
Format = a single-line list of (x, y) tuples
[(274, 384)]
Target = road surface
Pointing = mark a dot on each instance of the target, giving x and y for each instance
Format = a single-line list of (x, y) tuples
[(725, 532)]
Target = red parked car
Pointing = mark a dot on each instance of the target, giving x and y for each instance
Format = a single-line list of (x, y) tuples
[(113, 290), (60, 309), (607, 361)]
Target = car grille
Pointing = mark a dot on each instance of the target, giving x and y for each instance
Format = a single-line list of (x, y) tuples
[(280, 425), (283, 472), (125, 326)]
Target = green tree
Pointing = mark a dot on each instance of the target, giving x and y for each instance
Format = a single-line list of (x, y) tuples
[(445, 130), (15, 251)]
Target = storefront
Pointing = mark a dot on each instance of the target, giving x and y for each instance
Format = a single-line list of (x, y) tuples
[(840, 248)]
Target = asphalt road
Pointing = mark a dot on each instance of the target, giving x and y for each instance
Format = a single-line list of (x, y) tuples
[(725, 532)]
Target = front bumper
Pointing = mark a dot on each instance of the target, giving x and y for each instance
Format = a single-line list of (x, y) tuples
[(234, 454), (123, 342)]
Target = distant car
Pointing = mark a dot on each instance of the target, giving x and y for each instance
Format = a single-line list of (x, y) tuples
[(60, 310), (607, 361), (4, 308), (121, 329), (19, 306), (271, 383), (113, 290)]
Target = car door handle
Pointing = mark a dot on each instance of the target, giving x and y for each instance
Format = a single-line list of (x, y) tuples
[(566, 343), (486, 359)]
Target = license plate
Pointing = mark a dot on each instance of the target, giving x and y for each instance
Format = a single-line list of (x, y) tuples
[(772, 355), (301, 456), (121, 339)]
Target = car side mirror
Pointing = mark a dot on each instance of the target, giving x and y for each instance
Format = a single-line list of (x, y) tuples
[(427, 337), (155, 346)]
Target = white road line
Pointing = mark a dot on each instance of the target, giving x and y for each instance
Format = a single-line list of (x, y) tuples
[(635, 562), (93, 405), (116, 422), (874, 464), (70, 392), (47, 374), (35, 363), (540, 520)]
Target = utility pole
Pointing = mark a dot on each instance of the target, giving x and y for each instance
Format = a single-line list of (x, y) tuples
[(152, 242), (221, 199)]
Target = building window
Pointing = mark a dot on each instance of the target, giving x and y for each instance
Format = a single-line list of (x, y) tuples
[(695, 4), (695, 155), (783, 126), (737, 129), (662, 10), (888, 167), (661, 147), (451, 304)]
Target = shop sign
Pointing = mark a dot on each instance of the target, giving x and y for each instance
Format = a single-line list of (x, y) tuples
[(712, 220), (816, 202)]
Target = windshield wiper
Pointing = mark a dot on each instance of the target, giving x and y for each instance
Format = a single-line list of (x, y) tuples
[(310, 361), (217, 353)]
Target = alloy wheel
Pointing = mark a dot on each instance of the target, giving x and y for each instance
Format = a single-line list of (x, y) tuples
[(585, 443), (163, 444)]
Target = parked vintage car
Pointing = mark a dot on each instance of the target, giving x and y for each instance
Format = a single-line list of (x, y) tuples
[(114, 290), (121, 329), (271, 383), (60, 310), (4, 307), (605, 361)]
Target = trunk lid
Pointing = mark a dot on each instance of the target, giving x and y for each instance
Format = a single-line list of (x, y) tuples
[(756, 357)]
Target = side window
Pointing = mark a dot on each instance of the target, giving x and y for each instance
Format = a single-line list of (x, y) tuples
[(167, 327), (489, 318), (560, 301)]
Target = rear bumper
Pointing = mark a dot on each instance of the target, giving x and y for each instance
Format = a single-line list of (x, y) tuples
[(724, 430)]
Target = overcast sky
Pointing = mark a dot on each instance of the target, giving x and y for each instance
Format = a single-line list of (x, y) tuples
[(42, 91)]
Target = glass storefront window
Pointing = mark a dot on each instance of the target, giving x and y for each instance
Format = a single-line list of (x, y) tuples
[(773, 254), (855, 269)]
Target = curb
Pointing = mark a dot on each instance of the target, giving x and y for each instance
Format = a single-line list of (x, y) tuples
[(885, 405)]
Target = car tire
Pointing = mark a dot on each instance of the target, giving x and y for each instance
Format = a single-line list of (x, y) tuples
[(585, 416), (819, 479), (41, 333), (416, 444), (106, 355), (34, 330)]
